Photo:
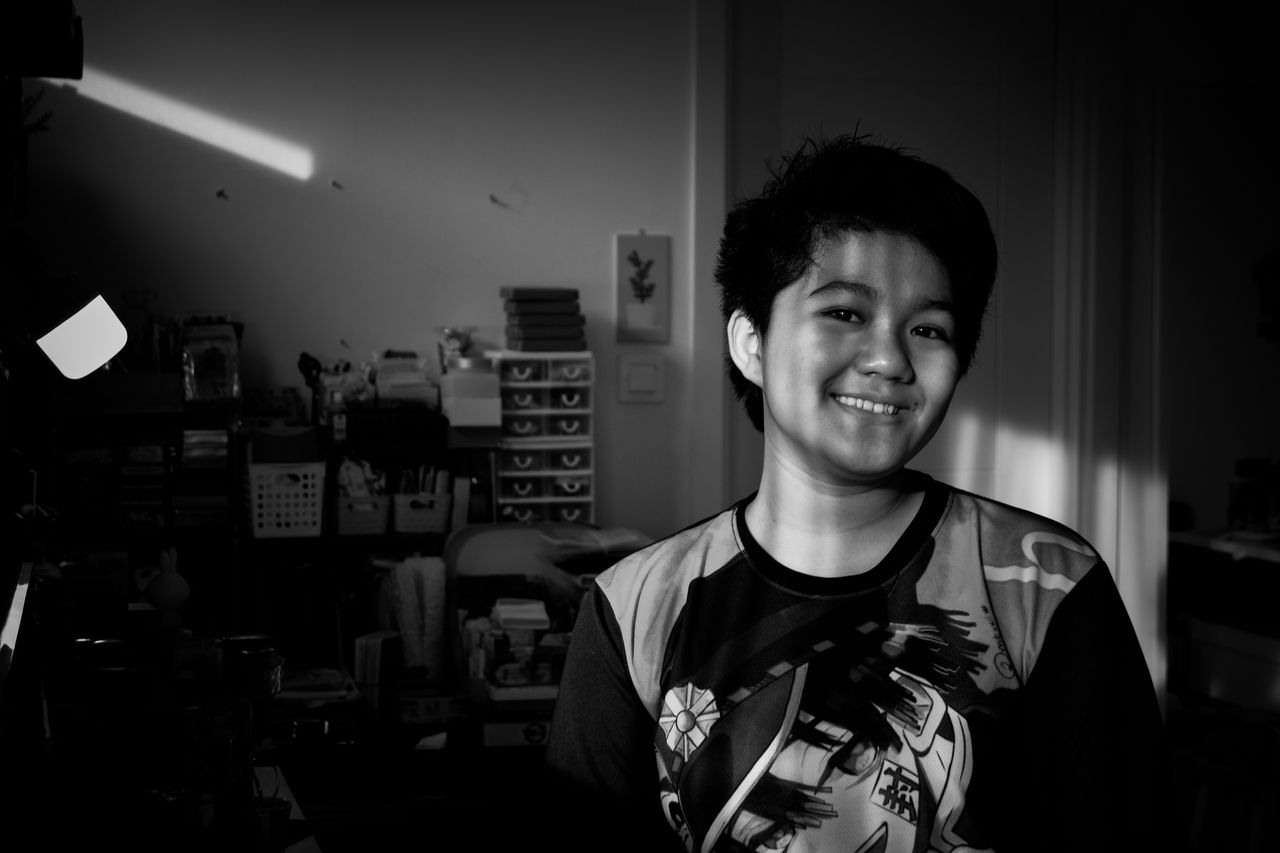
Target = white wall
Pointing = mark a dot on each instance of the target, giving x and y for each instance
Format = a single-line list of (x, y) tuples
[(578, 115)]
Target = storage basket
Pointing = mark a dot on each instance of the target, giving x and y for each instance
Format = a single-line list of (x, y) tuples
[(285, 499), (422, 513), (363, 515)]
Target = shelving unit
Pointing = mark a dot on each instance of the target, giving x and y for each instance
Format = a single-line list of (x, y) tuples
[(130, 469), (546, 459)]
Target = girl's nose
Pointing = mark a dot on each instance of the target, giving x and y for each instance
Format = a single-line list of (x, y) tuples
[(883, 354)]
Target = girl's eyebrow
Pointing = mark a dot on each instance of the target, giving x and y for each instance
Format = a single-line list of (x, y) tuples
[(926, 304), (852, 288), (873, 294)]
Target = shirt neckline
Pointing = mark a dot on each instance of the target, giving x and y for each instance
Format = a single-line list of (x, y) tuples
[(916, 535)]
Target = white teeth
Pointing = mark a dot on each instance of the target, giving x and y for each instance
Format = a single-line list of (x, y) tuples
[(867, 405)]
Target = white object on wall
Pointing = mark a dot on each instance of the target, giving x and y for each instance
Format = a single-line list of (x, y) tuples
[(641, 378)]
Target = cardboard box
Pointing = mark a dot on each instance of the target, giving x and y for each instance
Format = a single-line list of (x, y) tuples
[(423, 708), (527, 732)]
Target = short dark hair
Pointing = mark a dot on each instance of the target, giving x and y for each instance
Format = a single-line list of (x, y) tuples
[(828, 187)]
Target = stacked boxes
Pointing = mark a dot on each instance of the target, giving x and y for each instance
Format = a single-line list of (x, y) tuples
[(144, 485), (543, 319), (403, 378), (546, 458)]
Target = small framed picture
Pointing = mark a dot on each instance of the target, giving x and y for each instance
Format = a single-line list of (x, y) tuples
[(643, 264)]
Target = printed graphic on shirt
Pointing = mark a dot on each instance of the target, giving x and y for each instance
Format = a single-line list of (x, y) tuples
[(794, 714), (687, 716), (842, 745)]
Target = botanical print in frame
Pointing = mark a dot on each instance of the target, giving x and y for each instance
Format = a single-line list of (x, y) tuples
[(643, 280)]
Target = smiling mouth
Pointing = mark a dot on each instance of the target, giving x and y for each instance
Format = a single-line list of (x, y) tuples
[(866, 405)]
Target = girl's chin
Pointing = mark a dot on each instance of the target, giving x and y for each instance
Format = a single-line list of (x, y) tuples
[(860, 476)]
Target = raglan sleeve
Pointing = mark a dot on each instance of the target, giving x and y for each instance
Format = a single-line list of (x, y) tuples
[(600, 757), (1089, 765)]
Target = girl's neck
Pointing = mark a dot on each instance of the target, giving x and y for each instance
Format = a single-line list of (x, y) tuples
[(831, 530)]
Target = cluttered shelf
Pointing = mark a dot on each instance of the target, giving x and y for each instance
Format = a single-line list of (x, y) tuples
[(361, 553), (445, 710), (474, 632), (468, 661)]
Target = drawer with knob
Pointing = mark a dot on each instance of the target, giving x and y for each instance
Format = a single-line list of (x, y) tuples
[(515, 399), (569, 370), (569, 398), (570, 513), (571, 487), (522, 513), (523, 370), (522, 461), (569, 459), (522, 487)]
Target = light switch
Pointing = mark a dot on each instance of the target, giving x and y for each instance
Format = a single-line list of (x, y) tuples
[(640, 378), (643, 379)]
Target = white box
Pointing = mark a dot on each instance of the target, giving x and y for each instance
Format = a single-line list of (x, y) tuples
[(473, 411)]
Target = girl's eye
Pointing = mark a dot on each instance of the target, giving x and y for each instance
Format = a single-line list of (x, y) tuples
[(844, 315), (931, 332)]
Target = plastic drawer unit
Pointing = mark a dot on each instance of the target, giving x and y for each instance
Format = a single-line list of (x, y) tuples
[(546, 463)]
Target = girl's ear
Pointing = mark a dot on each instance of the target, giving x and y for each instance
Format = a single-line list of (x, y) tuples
[(745, 347)]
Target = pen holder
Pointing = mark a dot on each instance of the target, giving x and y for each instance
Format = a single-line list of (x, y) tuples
[(421, 513)]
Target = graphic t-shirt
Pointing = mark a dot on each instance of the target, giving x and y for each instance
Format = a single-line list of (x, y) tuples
[(981, 688)]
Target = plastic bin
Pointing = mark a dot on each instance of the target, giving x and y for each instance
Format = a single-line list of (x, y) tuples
[(363, 516), (421, 513), (285, 499)]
